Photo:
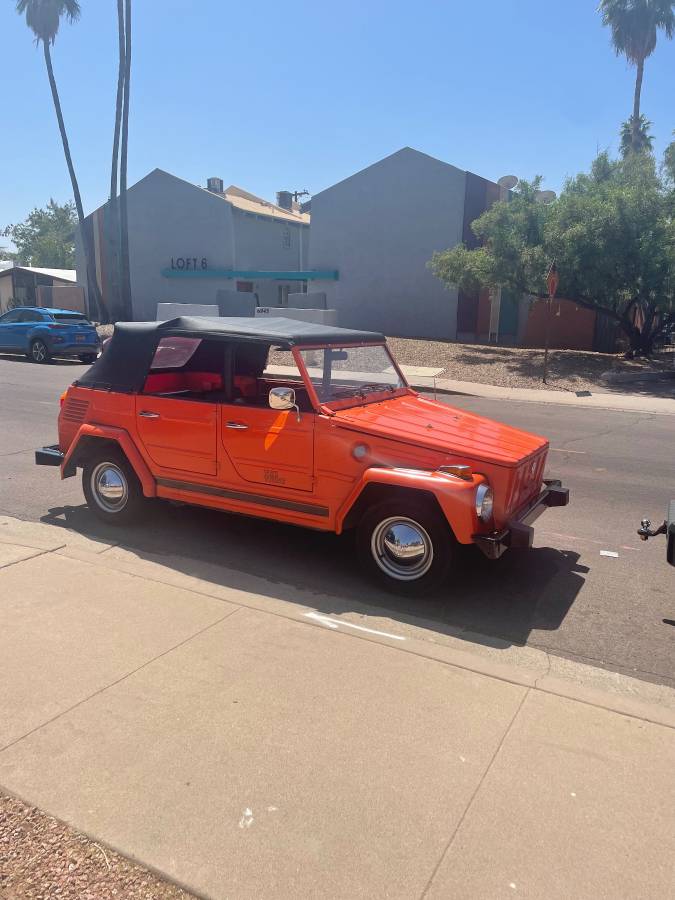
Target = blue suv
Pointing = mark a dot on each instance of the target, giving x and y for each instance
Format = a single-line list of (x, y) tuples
[(41, 333)]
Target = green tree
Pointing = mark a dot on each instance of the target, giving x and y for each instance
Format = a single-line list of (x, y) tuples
[(645, 140), (635, 25), (669, 161), (43, 17), (47, 237), (612, 232)]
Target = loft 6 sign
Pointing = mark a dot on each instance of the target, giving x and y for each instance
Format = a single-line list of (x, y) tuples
[(187, 263)]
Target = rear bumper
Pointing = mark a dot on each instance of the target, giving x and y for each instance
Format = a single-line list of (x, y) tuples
[(48, 456), (519, 533), (71, 349)]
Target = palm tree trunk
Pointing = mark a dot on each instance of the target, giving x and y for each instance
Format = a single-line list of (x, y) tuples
[(636, 103), (114, 223), (92, 285), (124, 218)]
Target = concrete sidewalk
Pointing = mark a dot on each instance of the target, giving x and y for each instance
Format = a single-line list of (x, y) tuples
[(249, 740), (616, 401)]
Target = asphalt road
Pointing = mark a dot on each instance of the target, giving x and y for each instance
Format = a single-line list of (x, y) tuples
[(564, 596)]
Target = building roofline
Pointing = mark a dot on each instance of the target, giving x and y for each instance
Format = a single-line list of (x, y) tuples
[(403, 150), (275, 212)]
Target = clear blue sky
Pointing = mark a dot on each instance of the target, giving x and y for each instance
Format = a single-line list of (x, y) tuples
[(288, 95)]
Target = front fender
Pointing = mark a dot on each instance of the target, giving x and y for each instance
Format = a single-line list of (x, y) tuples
[(456, 496), (108, 432)]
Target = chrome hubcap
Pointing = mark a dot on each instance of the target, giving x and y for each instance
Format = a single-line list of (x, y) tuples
[(39, 353), (402, 548), (109, 487)]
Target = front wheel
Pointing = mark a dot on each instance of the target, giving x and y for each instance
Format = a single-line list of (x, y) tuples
[(406, 545), (112, 488)]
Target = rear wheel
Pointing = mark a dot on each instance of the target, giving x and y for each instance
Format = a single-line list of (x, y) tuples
[(112, 488), (406, 545), (88, 358), (39, 352)]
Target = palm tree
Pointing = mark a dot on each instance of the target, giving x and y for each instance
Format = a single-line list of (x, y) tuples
[(114, 223), (43, 17), (635, 25), (645, 140), (124, 219)]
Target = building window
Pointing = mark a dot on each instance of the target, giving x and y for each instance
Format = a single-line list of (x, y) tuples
[(282, 296), (245, 287), (286, 237)]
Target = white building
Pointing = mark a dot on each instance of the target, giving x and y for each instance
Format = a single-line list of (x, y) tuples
[(214, 245)]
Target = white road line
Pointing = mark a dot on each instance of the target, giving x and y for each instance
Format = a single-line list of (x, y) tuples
[(562, 450), (611, 553), (332, 623)]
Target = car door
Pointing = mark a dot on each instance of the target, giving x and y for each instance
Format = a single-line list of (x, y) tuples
[(10, 330), (269, 446), (179, 434)]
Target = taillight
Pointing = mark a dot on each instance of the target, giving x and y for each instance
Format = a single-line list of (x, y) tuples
[(62, 398), (54, 325)]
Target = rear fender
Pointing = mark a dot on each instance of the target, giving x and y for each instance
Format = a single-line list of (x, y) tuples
[(83, 441), (456, 497)]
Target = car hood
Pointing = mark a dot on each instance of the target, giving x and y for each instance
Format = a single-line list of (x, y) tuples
[(442, 428)]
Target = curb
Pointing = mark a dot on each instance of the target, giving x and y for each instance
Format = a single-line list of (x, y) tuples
[(634, 403)]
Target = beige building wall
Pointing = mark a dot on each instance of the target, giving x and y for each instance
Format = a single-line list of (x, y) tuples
[(5, 293)]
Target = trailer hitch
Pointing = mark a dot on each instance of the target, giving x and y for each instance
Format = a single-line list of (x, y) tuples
[(645, 530)]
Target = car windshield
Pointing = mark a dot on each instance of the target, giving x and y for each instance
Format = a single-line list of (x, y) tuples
[(348, 373)]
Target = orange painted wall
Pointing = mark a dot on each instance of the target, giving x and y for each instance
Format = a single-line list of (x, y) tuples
[(573, 329)]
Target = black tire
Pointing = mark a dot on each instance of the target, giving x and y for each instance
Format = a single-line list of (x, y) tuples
[(418, 520), (39, 352), (88, 358), (109, 470)]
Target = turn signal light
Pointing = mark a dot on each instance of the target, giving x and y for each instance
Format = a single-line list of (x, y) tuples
[(62, 398)]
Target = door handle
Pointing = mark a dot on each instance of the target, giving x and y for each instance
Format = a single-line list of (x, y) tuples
[(238, 425), (146, 414)]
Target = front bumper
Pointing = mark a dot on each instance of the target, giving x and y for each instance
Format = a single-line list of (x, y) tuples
[(49, 456), (519, 533)]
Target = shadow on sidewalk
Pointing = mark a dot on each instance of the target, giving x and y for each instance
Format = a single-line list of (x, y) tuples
[(496, 604)]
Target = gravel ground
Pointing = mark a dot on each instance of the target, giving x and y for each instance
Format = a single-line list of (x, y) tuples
[(42, 859), (569, 370)]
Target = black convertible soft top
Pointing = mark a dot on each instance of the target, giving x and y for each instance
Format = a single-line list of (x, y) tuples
[(126, 360)]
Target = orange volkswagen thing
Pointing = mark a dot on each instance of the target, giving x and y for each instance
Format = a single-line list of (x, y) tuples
[(304, 423)]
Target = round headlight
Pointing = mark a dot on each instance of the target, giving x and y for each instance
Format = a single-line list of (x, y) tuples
[(485, 500)]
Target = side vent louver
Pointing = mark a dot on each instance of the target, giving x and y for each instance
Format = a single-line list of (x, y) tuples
[(75, 410)]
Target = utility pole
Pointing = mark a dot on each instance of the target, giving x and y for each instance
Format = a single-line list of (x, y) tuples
[(552, 281)]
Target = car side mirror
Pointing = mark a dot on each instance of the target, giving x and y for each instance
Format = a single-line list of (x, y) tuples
[(283, 398)]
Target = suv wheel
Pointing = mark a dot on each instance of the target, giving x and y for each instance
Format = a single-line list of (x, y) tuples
[(406, 545), (39, 352), (112, 488)]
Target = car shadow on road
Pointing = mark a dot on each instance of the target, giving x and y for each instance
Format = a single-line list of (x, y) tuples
[(55, 360), (497, 604)]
